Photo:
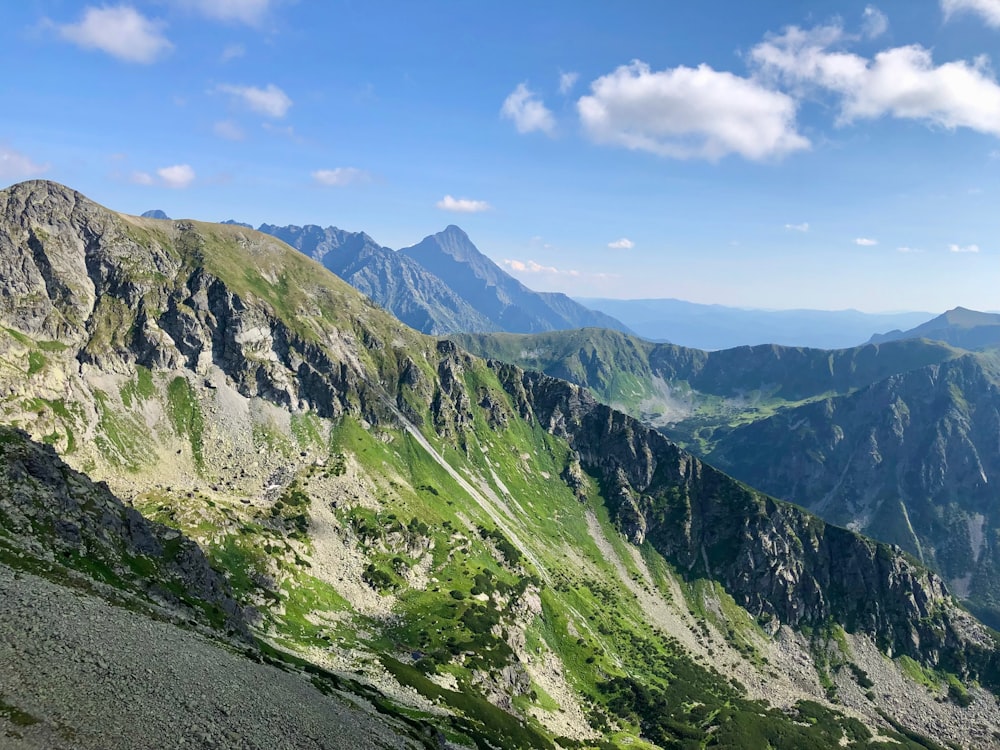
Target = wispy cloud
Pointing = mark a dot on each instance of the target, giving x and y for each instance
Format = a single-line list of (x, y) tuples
[(690, 113), (340, 176), (906, 249), (623, 244), (530, 266), (803, 227), (987, 10), (141, 178), (874, 23), (963, 248), (462, 205), (527, 111), (176, 176), (270, 101), (121, 31), (229, 130), (865, 242), (232, 52), (567, 81), (17, 166), (250, 12)]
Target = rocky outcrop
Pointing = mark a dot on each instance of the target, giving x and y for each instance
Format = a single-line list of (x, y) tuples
[(56, 514), (774, 559)]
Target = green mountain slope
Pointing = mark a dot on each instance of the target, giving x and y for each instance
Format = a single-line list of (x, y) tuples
[(481, 550)]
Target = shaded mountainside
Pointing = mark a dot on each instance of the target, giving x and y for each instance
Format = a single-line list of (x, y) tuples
[(509, 304), (73, 525), (486, 552), (719, 327), (960, 327), (912, 459)]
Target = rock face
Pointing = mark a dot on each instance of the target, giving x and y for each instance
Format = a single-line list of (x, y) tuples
[(912, 460), (775, 560)]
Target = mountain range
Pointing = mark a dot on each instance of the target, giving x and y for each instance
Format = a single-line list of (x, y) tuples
[(897, 440), (960, 327), (207, 426), (719, 327), (443, 284)]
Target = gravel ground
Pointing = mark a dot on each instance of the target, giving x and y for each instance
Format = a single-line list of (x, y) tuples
[(79, 673)]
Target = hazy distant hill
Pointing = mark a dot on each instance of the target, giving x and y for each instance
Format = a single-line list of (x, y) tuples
[(452, 257), (719, 327), (962, 327), (155, 214)]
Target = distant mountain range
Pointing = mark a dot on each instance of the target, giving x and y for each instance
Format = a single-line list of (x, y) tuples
[(443, 284), (718, 327), (960, 327)]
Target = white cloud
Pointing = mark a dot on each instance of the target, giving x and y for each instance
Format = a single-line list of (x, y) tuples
[(622, 244), (16, 166), (567, 81), (121, 31), (270, 101), (250, 12), (803, 227), (902, 82), (462, 205), (177, 176), (687, 113), (874, 22), (964, 248), (988, 10), (340, 176), (905, 249), (229, 130), (530, 266), (865, 242), (527, 111)]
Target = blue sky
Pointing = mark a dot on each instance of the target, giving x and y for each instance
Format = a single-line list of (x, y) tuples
[(767, 154)]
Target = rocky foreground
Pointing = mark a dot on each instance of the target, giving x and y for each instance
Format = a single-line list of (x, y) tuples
[(80, 673)]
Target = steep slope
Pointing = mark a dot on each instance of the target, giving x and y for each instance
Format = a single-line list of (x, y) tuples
[(912, 460), (960, 327), (509, 304), (719, 327), (392, 280), (691, 395), (491, 552)]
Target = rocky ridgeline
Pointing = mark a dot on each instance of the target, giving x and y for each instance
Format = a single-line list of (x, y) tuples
[(781, 564)]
